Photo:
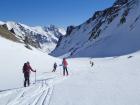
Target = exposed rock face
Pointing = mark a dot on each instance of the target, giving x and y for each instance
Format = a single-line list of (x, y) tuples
[(69, 30)]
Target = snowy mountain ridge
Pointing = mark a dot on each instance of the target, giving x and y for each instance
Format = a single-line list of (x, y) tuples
[(44, 38), (96, 37)]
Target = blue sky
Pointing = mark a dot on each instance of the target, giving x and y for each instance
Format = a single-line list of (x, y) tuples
[(45, 12)]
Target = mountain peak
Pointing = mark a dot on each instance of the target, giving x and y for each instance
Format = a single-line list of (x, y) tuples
[(110, 32), (40, 37), (120, 2)]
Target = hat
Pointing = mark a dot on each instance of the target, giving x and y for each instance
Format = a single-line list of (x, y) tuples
[(28, 62)]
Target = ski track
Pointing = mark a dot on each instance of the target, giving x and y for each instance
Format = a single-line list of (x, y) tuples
[(37, 94)]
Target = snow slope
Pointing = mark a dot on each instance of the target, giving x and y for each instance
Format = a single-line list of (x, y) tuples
[(103, 35), (13, 56), (111, 81)]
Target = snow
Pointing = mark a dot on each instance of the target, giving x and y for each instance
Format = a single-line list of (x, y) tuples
[(62, 30), (111, 81), (39, 29), (1, 23), (13, 56)]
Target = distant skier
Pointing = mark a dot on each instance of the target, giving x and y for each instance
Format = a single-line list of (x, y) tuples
[(91, 63), (65, 64), (54, 67), (26, 70)]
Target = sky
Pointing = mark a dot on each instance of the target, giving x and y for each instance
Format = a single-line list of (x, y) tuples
[(61, 13)]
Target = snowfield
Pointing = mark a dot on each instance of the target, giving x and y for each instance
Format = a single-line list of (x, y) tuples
[(111, 81), (13, 56)]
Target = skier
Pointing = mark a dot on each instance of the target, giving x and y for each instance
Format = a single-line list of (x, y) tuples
[(26, 70), (92, 63), (54, 67), (65, 64)]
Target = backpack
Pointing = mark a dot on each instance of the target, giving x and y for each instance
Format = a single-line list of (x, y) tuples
[(65, 63), (55, 65), (25, 68)]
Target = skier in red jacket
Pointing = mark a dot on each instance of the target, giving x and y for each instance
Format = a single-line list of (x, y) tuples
[(26, 70), (65, 64)]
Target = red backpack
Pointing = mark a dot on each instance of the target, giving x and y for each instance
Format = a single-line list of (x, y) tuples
[(65, 63)]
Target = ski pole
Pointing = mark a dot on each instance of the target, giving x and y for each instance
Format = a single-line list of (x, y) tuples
[(35, 77)]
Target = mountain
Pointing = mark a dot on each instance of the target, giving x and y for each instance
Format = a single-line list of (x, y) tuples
[(43, 38), (110, 32), (110, 81)]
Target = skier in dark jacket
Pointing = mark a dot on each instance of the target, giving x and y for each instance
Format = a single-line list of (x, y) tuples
[(91, 63), (26, 70), (65, 64), (54, 67)]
